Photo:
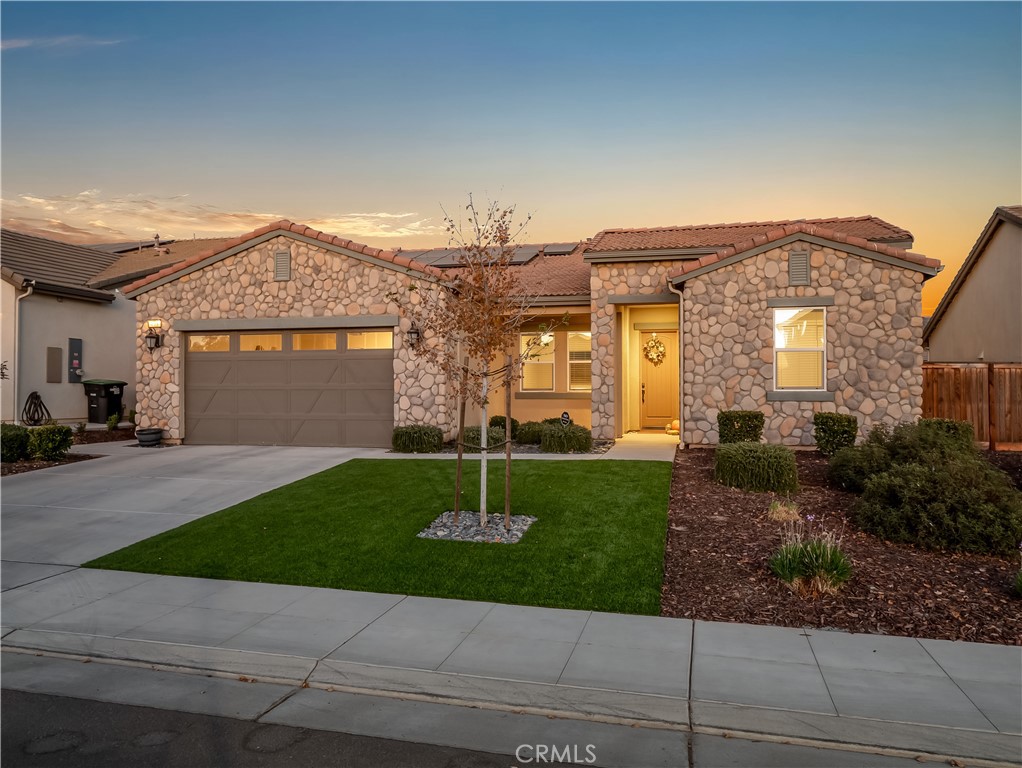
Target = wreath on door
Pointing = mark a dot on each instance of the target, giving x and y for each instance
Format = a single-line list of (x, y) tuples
[(654, 350)]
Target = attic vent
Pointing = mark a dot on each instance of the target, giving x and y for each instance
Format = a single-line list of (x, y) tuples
[(798, 268), (282, 265)]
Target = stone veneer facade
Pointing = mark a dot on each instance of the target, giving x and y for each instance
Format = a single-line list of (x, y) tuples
[(874, 340), (642, 278), (323, 283)]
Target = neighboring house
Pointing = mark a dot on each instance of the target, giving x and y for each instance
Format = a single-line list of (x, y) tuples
[(57, 329), (289, 335), (979, 320)]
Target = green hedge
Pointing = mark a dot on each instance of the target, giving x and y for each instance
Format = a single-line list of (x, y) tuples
[(569, 439), (13, 442), (555, 421), (501, 423), (494, 438), (834, 431), (740, 426), (959, 504), (756, 467), (51, 442), (417, 438), (530, 433)]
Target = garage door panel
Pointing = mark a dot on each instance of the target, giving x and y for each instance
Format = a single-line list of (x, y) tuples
[(324, 403), (370, 371), (289, 396), (316, 372), (262, 402), (263, 431)]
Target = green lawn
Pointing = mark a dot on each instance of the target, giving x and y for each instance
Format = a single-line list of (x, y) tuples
[(598, 543)]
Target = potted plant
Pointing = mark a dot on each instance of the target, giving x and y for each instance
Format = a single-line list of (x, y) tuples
[(149, 437)]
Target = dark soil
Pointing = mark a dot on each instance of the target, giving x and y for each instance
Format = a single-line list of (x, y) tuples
[(720, 539), (30, 465), (1009, 462), (103, 436)]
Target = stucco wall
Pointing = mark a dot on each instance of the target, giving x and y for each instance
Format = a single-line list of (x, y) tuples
[(7, 300), (108, 350), (323, 284), (983, 323), (874, 342)]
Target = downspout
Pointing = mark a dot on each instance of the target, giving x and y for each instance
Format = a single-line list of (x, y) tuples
[(681, 361), (17, 337)]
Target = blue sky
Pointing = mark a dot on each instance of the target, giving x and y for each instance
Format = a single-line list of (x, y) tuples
[(122, 119)]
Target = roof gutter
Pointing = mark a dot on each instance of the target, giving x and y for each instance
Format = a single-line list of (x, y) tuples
[(681, 362), (29, 290)]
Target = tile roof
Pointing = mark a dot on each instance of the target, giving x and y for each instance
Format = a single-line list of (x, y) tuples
[(51, 262), (722, 235), (282, 226), (549, 275), (140, 262), (687, 267)]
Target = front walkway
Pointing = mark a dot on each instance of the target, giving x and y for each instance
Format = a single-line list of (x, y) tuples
[(961, 700)]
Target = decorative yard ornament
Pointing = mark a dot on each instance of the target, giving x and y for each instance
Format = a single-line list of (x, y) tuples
[(654, 350)]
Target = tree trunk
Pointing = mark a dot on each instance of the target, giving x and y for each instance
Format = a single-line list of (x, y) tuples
[(507, 444), (461, 455), (483, 432)]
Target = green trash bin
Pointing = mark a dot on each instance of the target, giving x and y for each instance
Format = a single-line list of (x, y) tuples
[(106, 398)]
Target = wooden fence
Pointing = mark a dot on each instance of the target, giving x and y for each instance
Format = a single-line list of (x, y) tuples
[(987, 394)]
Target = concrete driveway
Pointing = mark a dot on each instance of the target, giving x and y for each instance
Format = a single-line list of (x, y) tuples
[(65, 516)]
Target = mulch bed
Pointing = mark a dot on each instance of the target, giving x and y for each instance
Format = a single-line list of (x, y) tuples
[(719, 541), (30, 465), (103, 436)]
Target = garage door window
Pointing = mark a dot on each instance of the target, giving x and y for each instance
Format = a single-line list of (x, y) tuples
[(370, 339), (209, 343), (314, 342), (261, 342)]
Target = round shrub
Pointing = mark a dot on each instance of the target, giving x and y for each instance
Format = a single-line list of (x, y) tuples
[(51, 442), (962, 504), (834, 431), (756, 467), (555, 421), (500, 423), (850, 468), (740, 426), (474, 436), (530, 433), (569, 439), (417, 438), (13, 442)]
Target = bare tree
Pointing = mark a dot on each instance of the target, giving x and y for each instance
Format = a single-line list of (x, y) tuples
[(471, 318)]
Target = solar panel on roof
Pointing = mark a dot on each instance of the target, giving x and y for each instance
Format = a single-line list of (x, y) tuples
[(559, 249), (524, 254)]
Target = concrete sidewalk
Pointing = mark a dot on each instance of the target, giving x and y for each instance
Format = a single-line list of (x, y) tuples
[(663, 675)]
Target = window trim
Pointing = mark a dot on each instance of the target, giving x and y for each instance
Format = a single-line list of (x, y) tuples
[(823, 349), (552, 362)]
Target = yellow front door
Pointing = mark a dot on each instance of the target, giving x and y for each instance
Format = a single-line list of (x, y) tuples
[(659, 379)]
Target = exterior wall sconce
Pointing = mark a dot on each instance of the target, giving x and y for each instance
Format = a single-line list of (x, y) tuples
[(414, 336), (153, 340)]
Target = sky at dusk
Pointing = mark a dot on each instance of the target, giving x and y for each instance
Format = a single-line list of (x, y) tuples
[(120, 120)]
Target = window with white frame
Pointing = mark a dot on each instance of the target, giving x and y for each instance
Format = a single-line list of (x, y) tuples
[(580, 351), (800, 348), (537, 351)]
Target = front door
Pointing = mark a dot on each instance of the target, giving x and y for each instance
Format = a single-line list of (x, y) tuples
[(659, 385)]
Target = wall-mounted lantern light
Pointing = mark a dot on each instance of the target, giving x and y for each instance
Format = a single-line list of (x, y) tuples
[(153, 340), (414, 336)]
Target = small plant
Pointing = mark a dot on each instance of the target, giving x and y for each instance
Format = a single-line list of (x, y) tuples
[(81, 429), (530, 433), (112, 422), (740, 426), (834, 431), (51, 442), (555, 421), (809, 562), (417, 438), (756, 467), (132, 416), (13, 443), (569, 439), (783, 512), (1017, 584), (501, 423), (473, 438)]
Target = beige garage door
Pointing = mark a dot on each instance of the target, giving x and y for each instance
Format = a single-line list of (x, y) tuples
[(314, 387)]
